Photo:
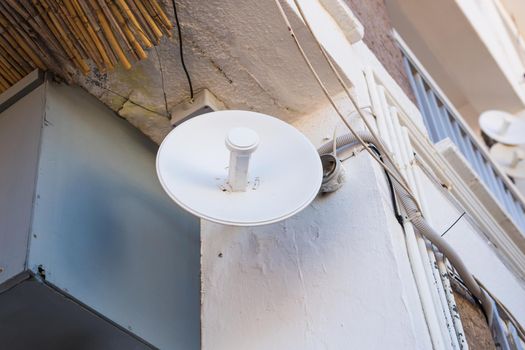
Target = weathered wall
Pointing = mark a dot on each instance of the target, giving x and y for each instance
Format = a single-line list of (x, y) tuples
[(374, 17), (240, 50), (475, 324), (332, 277)]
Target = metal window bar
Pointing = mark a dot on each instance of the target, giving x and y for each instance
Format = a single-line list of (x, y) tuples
[(441, 122)]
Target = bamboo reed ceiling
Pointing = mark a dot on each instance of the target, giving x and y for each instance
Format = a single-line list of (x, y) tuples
[(66, 36)]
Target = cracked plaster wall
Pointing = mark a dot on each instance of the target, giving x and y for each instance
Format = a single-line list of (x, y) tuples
[(240, 50)]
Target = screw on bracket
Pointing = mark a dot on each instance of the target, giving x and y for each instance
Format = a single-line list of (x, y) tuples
[(41, 272)]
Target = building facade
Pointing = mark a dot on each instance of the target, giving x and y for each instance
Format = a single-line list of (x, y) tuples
[(88, 218)]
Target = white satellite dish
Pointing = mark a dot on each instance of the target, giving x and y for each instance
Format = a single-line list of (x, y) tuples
[(503, 127), (239, 168), (510, 158)]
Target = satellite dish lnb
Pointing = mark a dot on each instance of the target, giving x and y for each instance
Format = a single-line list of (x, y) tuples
[(510, 158), (503, 127), (239, 168)]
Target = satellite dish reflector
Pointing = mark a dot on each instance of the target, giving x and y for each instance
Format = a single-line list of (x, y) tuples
[(503, 127), (510, 158), (239, 168)]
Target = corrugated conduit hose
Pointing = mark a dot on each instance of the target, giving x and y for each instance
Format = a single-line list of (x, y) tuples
[(416, 217)]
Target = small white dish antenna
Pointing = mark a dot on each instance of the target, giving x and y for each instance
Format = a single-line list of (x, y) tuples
[(510, 158), (239, 168), (503, 127)]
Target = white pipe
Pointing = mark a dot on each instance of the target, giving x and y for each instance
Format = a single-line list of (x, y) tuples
[(427, 259), (415, 216), (451, 313), (421, 274), (369, 137), (403, 152), (439, 294), (386, 114), (376, 105), (422, 285), (454, 313), (363, 138)]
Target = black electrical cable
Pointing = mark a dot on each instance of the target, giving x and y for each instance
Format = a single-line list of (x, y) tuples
[(394, 200), (398, 216), (453, 224), (181, 50)]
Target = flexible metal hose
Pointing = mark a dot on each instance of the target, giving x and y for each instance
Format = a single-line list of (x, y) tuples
[(419, 222), (345, 140)]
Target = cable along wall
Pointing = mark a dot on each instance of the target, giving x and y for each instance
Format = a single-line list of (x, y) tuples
[(429, 266), (440, 328)]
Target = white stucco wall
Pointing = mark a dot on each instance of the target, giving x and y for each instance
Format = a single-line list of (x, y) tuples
[(334, 276)]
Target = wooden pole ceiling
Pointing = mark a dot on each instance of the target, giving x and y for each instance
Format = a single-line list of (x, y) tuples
[(65, 36)]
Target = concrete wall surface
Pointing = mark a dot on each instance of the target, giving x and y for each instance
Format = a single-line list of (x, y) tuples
[(103, 229), (335, 276)]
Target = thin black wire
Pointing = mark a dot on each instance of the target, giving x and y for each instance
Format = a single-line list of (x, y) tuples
[(397, 214), (181, 50), (453, 224)]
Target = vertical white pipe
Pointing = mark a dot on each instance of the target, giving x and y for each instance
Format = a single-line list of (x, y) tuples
[(435, 277), (410, 236), (376, 107), (424, 290), (429, 279), (445, 290), (386, 113), (452, 315)]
